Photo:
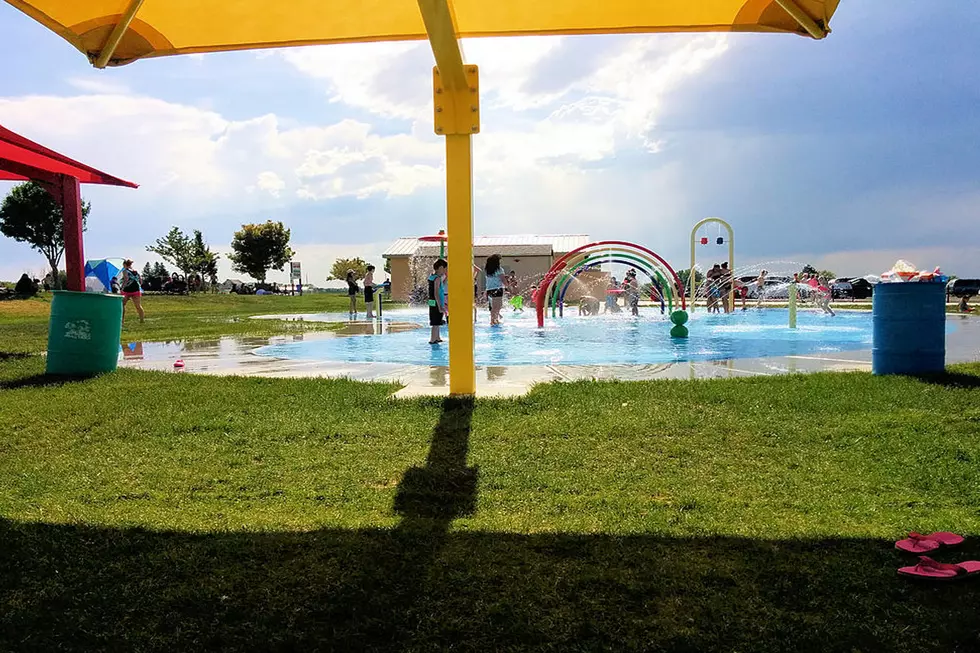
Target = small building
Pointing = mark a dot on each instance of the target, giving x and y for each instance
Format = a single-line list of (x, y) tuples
[(528, 256)]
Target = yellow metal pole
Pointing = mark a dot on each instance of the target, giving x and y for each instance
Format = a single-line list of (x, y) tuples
[(117, 33), (456, 103), (459, 205), (690, 271), (804, 19), (792, 305), (731, 262)]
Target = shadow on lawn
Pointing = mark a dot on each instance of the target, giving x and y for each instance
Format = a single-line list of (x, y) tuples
[(423, 587), (42, 381), (77, 588), (14, 355), (951, 380)]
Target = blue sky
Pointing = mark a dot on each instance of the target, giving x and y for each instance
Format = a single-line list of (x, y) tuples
[(847, 153)]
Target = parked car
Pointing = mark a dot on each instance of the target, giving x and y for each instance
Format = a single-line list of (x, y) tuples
[(841, 288), (962, 288), (771, 290), (861, 288), (851, 288)]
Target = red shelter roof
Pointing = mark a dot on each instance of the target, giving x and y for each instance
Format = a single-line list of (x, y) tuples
[(22, 159)]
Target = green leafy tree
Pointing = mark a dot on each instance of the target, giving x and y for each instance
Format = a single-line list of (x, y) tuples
[(808, 269), (160, 270), (257, 248), (147, 270), (826, 274), (30, 214), (338, 271), (203, 260), (387, 266), (685, 277), (175, 248)]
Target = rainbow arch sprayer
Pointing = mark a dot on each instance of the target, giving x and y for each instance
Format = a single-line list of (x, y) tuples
[(559, 277)]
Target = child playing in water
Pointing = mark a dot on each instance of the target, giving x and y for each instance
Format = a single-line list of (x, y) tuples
[(437, 300), (352, 293), (632, 291), (369, 293), (822, 298)]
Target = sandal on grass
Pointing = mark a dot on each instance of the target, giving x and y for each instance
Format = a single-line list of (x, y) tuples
[(929, 569), (918, 543)]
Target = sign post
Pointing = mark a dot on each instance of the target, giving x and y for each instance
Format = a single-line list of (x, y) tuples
[(296, 274)]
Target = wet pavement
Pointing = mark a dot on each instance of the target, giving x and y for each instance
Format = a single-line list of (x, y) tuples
[(235, 356)]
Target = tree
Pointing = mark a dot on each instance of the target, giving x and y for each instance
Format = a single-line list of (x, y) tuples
[(685, 277), (160, 270), (808, 269), (387, 266), (826, 274), (257, 248), (31, 215), (175, 248), (338, 272), (203, 260), (147, 271)]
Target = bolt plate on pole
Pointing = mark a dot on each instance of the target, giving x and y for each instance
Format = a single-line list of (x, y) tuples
[(457, 111)]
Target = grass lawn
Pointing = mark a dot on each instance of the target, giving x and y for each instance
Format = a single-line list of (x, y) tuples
[(24, 323), (164, 512)]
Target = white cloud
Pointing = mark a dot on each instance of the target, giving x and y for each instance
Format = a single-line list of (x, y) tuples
[(99, 85), (546, 120), (202, 158), (270, 182)]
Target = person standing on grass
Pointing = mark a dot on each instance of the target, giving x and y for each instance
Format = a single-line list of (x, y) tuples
[(352, 291), (437, 302), (496, 277), (369, 293), (131, 290)]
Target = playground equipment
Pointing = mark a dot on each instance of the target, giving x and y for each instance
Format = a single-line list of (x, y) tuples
[(792, 303), (551, 291), (438, 238), (720, 240)]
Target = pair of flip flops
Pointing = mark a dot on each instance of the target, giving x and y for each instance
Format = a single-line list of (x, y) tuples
[(930, 569)]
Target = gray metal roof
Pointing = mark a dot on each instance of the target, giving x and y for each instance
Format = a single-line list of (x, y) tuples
[(520, 245)]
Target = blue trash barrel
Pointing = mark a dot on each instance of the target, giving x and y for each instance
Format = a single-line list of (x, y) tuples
[(909, 328)]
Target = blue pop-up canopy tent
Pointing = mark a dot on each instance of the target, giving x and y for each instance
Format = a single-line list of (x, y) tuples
[(100, 272)]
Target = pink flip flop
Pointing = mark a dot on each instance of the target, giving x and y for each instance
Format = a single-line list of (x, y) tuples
[(918, 543), (929, 569)]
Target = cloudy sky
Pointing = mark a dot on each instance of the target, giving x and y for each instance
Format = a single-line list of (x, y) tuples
[(846, 153)]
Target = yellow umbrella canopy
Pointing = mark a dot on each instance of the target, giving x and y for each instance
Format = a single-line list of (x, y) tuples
[(115, 32)]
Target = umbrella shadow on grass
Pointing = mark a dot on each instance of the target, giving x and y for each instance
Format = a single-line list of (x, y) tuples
[(424, 587), (78, 588)]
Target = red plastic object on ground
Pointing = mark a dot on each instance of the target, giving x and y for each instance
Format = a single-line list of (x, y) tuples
[(918, 543), (929, 569)]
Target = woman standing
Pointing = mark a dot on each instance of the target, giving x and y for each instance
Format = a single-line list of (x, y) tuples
[(131, 288), (495, 287), (352, 293)]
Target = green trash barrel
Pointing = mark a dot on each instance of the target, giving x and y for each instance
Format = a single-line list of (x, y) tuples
[(83, 333)]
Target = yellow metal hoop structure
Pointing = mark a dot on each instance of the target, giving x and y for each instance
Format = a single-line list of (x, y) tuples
[(731, 259)]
